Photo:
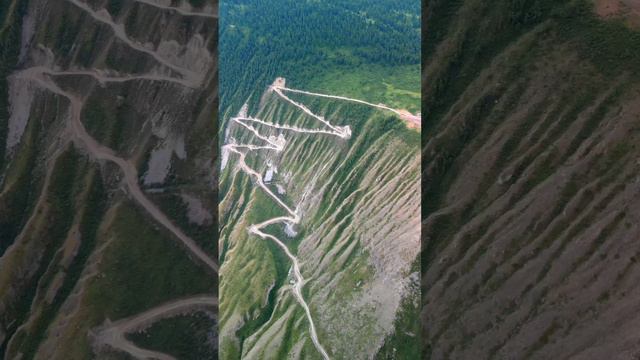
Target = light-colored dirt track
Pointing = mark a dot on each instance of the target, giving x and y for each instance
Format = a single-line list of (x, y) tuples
[(101, 152), (278, 144), (414, 121), (113, 334), (180, 11)]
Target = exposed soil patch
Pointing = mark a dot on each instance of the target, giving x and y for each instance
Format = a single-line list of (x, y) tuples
[(412, 121), (626, 10)]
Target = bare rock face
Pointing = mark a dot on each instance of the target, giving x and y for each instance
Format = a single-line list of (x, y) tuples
[(531, 174), (108, 123)]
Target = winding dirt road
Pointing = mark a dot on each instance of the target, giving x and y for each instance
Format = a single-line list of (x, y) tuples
[(411, 119), (103, 17), (277, 144), (104, 77), (101, 152), (113, 334)]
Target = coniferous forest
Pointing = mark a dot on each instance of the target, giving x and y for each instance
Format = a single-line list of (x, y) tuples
[(305, 40)]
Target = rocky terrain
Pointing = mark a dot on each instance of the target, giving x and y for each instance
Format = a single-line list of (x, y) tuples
[(531, 182), (107, 177)]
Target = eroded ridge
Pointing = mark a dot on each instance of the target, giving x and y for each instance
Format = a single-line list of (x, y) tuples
[(119, 31), (277, 143), (114, 335), (42, 75), (77, 132)]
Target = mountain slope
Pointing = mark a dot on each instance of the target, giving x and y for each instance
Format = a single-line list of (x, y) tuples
[(530, 180), (319, 205), (107, 197), (357, 240)]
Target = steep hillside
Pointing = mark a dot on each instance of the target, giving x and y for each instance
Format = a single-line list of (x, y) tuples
[(319, 224), (341, 197), (530, 174), (107, 182)]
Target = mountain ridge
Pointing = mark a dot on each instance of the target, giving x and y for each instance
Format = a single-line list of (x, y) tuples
[(528, 173)]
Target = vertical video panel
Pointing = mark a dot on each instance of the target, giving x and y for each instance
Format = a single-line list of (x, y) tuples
[(107, 180), (319, 187), (531, 179)]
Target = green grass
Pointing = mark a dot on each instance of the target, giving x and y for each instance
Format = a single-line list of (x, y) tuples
[(141, 267), (405, 343), (98, 119), (175, 208), (93, 211), (244, 295), (375, 131), (255, 262), (144, 267), (115, 6), (397, 87), (331, 35), (198, 3), (609, 45), (111, 123), (62, 193), (186, 337), (264, 208)]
